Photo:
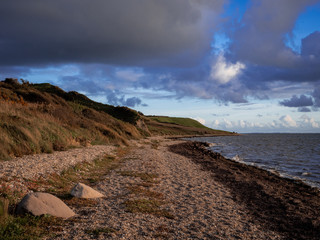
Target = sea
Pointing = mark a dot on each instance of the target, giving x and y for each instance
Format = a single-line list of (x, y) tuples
[(295, 156)]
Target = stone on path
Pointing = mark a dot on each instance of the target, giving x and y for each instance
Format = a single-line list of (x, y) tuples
[(39, 203), (83, 191)]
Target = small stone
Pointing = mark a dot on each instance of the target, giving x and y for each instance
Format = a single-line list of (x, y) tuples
[(83, 191), (39, 203)]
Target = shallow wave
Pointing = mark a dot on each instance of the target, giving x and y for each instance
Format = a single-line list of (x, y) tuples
[(295, 156)]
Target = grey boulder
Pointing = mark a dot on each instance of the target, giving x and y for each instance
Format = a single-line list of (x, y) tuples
[(39, 203), (83, 191)]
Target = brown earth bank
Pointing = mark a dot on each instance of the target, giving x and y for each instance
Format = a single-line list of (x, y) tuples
[(280, 205)]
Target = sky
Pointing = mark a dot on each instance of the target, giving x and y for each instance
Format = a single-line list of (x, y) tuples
[(236, 65)]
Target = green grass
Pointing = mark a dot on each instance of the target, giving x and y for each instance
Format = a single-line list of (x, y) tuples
[(187, 122), (27, 227), (163, 125)]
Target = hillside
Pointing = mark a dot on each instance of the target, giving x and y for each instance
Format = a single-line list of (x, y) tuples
[(36, 118), (164, 125)]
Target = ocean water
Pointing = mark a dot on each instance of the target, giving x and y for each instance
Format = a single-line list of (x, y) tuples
[(295, 156)]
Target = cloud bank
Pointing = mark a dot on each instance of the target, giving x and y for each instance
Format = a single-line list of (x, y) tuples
[(284, 123), (135, 32), (119, 46)]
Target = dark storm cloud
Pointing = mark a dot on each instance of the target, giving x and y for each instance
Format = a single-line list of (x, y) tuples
[(298, 101), (116, 100), (135, 32), (259, 42), (162, 45), (316, 95), (310, 46), (259, 38), (304, 109)]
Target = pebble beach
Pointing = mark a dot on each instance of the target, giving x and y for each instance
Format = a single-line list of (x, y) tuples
[(192, 193)]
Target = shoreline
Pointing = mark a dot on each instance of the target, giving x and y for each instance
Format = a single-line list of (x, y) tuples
[(181, 190), (282, 174), (283, 205)]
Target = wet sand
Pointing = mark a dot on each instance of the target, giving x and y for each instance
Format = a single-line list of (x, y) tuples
[(281, 205)]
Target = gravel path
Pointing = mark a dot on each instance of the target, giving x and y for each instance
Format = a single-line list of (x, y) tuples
[(193, 205)]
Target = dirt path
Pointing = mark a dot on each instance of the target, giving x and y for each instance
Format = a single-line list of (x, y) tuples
[(157, 194)]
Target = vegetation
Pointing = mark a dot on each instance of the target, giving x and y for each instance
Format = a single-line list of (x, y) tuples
[(187, 122), (28, 227), (31, 227), (147, 201), (147, 177), (99, 231), (36, 118), (149, 206), (123, 113), (162, 125), (42, 118)]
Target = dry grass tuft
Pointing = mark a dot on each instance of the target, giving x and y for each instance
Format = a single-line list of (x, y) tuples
[(139, 190), (148, 206), (36, 119), (147, 177)]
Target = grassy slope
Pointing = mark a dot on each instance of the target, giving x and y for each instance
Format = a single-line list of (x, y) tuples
[(163, 125), (33, 120), (187, 122), (37, 118)]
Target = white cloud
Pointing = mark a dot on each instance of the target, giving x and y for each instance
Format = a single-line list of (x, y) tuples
[(129, 75), (287, 121), (223, 72), (200, 120), (309, 121), (242, 123)]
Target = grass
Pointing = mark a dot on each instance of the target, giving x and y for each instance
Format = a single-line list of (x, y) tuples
[(143, 191), (87, 173), (148, 206), (43, 118), (36, 118), (146, 177), (148, 202), (159, 125), (30, 227), (123, 113), (187, 122), (98, 231)]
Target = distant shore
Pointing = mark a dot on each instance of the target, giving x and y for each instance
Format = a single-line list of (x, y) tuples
[(289, 207)]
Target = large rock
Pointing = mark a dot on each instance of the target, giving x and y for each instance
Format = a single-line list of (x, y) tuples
[(83, 191), (44, 203)]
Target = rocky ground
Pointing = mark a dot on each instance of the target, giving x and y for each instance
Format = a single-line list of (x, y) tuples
[(169, 189), (13, 173)]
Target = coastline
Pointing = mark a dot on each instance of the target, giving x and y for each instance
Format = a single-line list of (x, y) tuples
[(286, 155), (177, 189), (283, 205)]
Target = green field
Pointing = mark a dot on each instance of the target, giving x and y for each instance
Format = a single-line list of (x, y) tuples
[(187, 122)]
